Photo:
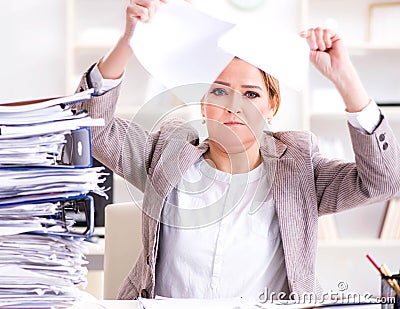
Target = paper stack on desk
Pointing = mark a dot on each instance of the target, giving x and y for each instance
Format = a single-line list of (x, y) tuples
[(40, 271), (45, 176), (36, 132)]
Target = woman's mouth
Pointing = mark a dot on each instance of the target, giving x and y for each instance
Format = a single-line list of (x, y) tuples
[(233, 123)]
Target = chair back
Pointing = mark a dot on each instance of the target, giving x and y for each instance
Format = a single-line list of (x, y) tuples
[(123, 244)]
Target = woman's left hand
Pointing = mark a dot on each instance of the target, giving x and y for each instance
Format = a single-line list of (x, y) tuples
[(329, 55)]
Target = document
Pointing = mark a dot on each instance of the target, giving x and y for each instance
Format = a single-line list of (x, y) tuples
[(40, 271), (36, 269), (49, 127), (184, 46), (45, 133), (38, 117), (282, 54), (43, 217), (32, 141), (28, 183), (180, 46), (32, 105)]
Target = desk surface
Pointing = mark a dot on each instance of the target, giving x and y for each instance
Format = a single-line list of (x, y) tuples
[(107, 304), (132, 304)]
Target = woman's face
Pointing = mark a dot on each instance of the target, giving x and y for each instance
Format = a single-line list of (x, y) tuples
[(236, 107)]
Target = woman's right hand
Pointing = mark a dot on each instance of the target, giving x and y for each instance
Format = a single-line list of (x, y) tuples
[(112, 65), (140, 10)]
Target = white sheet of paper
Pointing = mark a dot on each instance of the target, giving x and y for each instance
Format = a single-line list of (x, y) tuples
[(282, 54), (183, 45), (180, 45), (34, 289), (32, 141), (50, 127), (12, 107)]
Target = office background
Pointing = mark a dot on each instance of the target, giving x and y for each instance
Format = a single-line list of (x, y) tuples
[(48, 44)]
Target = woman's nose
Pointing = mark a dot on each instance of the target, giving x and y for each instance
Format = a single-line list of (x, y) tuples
[(235, 104)]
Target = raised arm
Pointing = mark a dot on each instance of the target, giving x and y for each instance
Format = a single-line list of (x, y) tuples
[(122, 146), (329, 55), (375, 175), (112, 65)]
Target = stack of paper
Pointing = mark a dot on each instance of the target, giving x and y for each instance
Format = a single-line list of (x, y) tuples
[(18, 185), (45, 176), (38, 271), (34, 132)]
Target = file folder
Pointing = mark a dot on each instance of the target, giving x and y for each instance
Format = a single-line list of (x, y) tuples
[(77, 152), (76, 208), (70, 149), (31, 105), (68, 211)]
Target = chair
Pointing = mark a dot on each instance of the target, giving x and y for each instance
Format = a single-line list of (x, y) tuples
[(123, 243)]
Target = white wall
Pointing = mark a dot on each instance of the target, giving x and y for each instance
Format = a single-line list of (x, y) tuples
[(32, 50)]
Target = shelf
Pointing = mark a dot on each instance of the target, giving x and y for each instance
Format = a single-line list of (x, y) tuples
[(392, 112), (372, 47), (395, 110), (352, 243), (336, 115), (93, 46), (95, 42)]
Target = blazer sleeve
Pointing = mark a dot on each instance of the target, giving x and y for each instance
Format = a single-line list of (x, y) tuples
[(122, 146), (373, 177)]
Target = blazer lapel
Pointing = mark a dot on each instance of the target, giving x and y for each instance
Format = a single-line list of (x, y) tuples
[(172, 165), (285, 188)]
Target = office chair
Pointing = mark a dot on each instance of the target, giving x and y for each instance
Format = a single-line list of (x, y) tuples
[(123, 243)]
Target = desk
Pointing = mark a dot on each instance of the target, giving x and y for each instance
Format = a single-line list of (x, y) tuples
[(107, 304), (132, 304)]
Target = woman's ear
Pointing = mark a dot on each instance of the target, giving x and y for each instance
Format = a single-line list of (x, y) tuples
[(272, 108), (203, 113)]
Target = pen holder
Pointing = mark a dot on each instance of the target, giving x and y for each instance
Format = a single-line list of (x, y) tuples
[(389, 297)]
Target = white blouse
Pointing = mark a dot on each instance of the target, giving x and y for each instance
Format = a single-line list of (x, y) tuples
[(220, 237)]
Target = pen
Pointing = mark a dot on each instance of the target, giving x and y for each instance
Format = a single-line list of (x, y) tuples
[(383, 270)]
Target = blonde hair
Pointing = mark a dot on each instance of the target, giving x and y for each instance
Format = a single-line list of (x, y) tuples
[(274, 91)]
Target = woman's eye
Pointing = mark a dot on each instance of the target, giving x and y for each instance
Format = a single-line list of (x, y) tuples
[(251, 94), (219, 92)]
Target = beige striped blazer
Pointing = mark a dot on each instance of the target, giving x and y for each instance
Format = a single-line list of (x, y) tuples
[(304, 184)]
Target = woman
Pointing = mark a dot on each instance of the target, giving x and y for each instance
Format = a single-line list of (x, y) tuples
[(237, 214)]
